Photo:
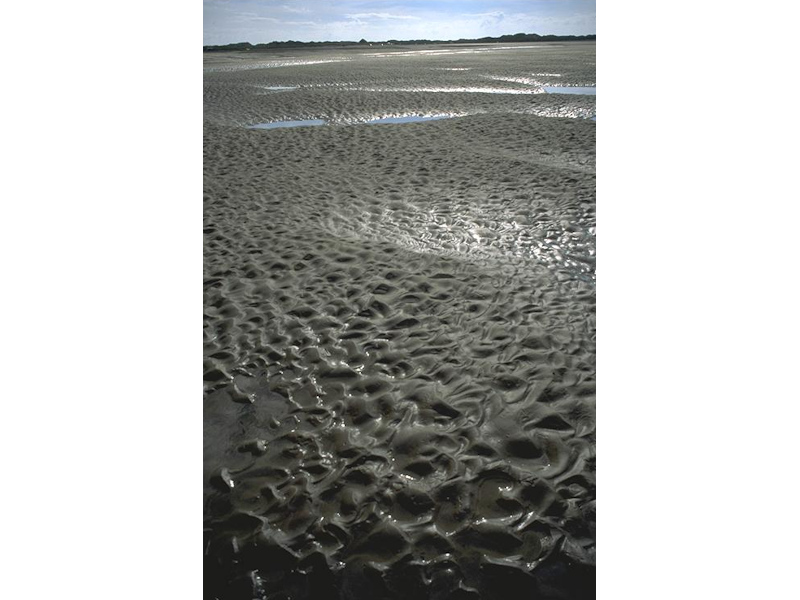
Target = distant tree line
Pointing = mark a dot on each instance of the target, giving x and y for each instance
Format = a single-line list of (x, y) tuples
[(517, 37)]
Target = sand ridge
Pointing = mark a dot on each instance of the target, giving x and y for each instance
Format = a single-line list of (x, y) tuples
[(399, 334)]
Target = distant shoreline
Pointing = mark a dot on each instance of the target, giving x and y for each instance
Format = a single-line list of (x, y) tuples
[(517, 37)]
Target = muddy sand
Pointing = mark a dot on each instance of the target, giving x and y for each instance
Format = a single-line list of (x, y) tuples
[(399, 331)]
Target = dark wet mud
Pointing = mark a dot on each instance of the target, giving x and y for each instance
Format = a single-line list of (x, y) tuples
[(399, 335)]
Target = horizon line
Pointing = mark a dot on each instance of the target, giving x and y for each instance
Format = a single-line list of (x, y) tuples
[(408, 41)]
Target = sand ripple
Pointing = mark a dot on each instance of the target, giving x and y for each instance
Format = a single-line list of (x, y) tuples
[(399, 349)]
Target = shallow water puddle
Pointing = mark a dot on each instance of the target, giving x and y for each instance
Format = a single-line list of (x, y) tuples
[(279, 124), (455, 90), (411, 119), (278, 88), (562, 89)]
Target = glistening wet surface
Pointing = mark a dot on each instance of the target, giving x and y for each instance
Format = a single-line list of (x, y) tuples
[(562, 89), (380, 120), (279, 124), (456, 90), (278, 88), (399, 333), (409, 119)]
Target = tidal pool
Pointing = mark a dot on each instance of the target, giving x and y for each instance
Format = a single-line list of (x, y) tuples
[(563, 89), (279, 124)]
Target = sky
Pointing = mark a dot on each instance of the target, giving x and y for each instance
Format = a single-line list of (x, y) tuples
[(261, 21)]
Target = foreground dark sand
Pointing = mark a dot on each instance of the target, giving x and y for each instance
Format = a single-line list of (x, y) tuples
[(399, 325)]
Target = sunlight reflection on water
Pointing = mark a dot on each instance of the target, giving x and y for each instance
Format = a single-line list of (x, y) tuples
[(562, 89), (279, 124)]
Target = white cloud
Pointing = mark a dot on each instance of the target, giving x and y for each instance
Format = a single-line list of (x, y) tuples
[(368, 16), (295, 9), (259, 21)]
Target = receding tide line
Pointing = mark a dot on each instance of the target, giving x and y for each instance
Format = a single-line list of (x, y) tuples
[(312, 122)]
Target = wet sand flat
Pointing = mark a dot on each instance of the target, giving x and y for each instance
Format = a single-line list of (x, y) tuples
[(399, 331)]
